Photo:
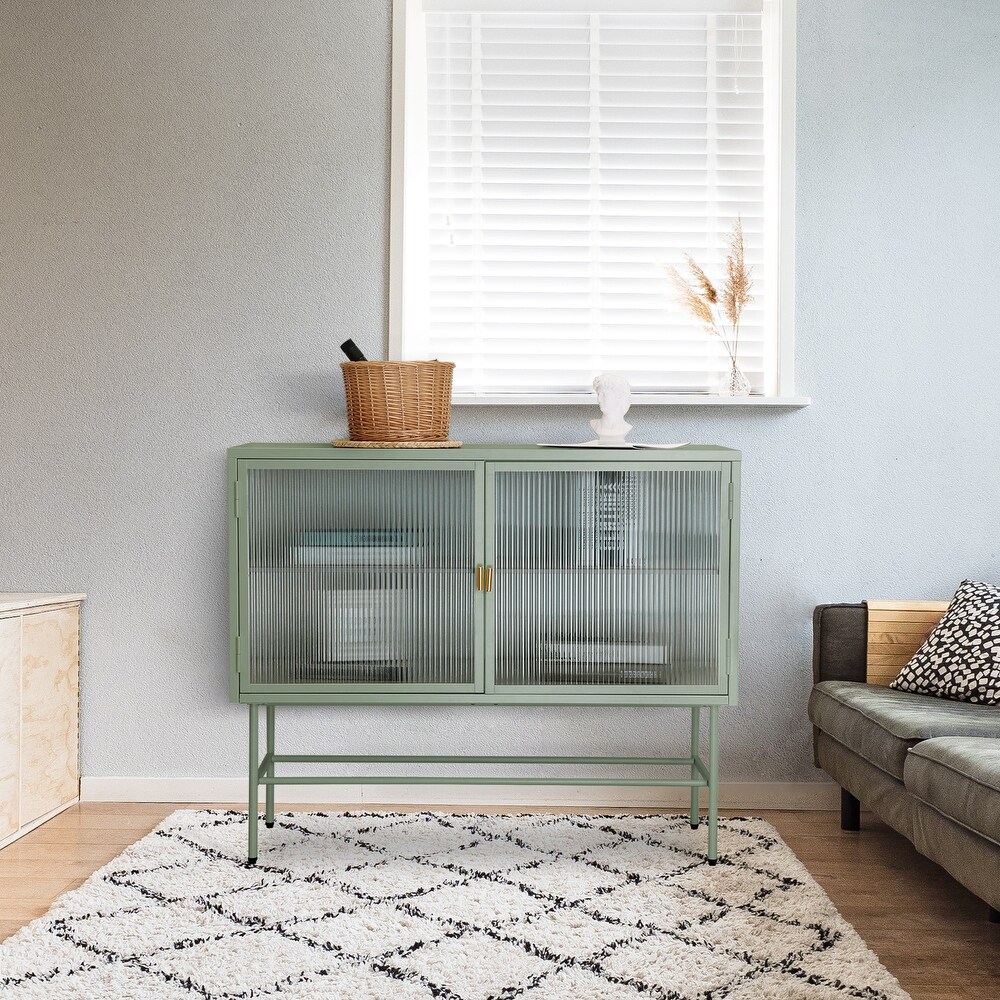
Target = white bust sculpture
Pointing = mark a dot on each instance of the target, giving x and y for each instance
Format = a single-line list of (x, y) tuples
[(614, 398)]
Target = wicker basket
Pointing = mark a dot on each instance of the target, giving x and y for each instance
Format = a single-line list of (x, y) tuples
[(398, 400)]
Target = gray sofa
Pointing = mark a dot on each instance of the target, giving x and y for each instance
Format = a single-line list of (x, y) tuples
[(929, 768)]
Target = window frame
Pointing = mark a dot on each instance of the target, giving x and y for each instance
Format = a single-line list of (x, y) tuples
[(407, 274)]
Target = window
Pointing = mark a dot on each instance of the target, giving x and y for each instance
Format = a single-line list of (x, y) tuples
[(552, 157)]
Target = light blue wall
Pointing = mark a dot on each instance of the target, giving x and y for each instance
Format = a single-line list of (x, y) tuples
[(193, 215)]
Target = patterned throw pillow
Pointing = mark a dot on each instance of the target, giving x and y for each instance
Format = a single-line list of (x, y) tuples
[(961, 657)]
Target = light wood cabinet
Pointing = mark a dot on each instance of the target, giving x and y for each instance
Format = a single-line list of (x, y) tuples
[(39, 708), (10, 726)]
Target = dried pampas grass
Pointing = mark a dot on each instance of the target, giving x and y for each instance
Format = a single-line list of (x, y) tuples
[(695, 303), (700, 298)]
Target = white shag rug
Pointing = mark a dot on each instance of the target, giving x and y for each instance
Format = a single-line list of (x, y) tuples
[(415, 906)]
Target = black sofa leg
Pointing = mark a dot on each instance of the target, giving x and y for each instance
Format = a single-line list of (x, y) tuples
[(994, 916), (850, 811)]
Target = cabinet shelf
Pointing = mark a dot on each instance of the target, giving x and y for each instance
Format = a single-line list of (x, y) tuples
[(508, 571), (555, 675), (366, 569), (613, 571), (353, 672)]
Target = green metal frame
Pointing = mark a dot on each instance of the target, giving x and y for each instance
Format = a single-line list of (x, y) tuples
[(262, 772), (485, 461)]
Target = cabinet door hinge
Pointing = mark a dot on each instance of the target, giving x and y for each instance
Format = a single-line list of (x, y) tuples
[(732, 499), (236, 500)]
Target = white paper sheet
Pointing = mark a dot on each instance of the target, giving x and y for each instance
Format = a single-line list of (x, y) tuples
[(628, 446)]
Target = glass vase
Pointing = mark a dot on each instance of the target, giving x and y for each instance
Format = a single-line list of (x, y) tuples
[(734, 383)]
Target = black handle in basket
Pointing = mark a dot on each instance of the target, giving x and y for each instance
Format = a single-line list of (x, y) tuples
[(352, 351)]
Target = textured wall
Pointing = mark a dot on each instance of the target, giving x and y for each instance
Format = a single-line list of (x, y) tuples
[(192, 213)]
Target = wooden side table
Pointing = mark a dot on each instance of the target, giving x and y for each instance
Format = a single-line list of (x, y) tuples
[(39, 709)]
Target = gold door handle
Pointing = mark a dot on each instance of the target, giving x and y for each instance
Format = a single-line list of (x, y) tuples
[(479, 578), (489, 579)]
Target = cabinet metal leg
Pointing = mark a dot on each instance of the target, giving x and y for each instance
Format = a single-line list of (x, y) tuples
[(269, 789), (252, 818), (713, 784), (695, 745)]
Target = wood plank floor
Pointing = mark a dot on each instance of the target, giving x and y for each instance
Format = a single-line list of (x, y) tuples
[(929, 931)]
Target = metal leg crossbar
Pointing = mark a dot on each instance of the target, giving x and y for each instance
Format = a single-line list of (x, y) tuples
[(262, 772)]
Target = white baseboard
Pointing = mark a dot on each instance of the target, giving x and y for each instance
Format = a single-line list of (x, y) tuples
[(732, 795)]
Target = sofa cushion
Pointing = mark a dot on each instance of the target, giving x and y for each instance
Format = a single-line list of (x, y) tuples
[(960, 777), (881, 725), (961, 657)]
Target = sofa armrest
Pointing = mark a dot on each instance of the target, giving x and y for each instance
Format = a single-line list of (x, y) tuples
[(840, 642), (840, 648)]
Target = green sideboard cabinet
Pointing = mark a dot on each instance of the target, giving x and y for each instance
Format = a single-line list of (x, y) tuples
[(484, 575)]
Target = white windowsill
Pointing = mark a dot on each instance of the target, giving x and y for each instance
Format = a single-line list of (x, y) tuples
[(638, 399)]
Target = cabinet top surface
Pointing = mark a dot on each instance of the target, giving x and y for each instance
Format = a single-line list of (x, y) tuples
[(488, 452), (24, 602)]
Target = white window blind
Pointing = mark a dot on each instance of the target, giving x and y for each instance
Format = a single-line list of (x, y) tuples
[(564, 157)]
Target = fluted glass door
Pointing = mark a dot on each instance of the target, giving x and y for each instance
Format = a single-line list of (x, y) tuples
[(361, 576), (607, 577)]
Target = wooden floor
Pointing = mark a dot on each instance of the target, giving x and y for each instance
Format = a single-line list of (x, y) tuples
[(930, 932)]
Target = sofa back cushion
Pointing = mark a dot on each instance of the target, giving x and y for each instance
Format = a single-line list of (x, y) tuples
[(839, 642)]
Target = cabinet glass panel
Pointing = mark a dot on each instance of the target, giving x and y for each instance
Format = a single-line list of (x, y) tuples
[(607, 577), (361, 576)]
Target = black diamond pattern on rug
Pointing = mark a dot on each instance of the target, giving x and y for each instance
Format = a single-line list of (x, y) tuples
[(418, 906)]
